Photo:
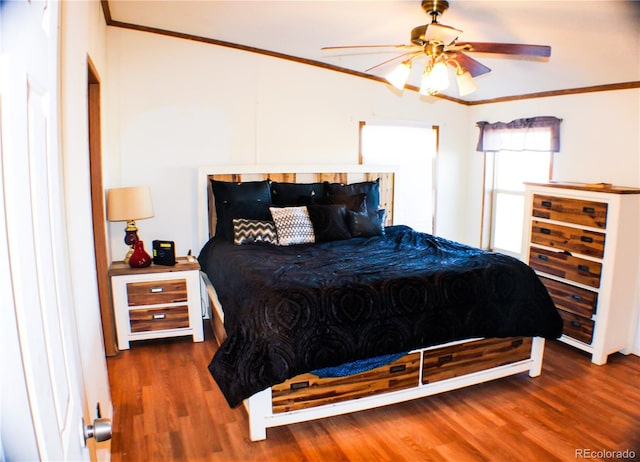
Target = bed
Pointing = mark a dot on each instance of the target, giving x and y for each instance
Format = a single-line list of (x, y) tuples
[(365, 314)]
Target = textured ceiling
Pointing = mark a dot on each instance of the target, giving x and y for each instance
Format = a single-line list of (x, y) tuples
[(593, 42)]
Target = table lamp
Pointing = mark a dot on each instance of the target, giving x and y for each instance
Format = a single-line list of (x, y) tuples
[(129, 204)]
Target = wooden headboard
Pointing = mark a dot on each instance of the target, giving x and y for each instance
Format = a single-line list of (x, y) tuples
[(291, 174)]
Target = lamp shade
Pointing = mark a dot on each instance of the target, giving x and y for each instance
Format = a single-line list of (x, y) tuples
[(133, 203), (399, 76), (466, 84)]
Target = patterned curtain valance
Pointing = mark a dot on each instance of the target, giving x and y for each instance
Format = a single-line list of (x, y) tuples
[(532, 134)]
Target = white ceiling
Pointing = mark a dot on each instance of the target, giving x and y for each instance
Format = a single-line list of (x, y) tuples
[(592, 42)]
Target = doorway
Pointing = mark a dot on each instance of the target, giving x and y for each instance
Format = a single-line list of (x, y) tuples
[(412, 148)]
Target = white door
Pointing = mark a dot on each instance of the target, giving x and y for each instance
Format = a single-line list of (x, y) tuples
[(33, 244)]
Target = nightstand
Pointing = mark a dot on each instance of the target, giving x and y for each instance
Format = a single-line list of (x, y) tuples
[(157, 301)]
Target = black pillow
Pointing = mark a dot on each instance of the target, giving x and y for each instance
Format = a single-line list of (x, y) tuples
[(353, 202), (370, 188), (234, 191), (295, 194), (249, 210), (366, 224), (329, 222)]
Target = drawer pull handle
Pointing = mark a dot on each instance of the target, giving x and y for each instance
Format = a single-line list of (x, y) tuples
[(156, 290), (159, 316), (577, 298), (545, 231), (517, 343), (583, 268), (586, 239), (299, 385), (445, 359), (588, 210), (576, 324), (398, 368), (546, 204), (543, 257)]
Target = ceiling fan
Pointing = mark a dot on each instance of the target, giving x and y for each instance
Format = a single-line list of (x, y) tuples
[(438, 44)]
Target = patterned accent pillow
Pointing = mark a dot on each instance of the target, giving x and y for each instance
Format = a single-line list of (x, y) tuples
[(293, 225), (247, 231)]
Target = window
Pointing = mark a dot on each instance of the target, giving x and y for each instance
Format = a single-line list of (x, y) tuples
[(517, 152), (510, 171), (412, 148)]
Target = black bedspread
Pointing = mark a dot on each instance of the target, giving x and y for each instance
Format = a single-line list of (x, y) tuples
[(289, 310)]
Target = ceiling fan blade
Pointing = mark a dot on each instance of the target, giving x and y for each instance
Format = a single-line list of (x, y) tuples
[(474, 67), (441, 33), (401, 47), (542, 51), (407, 54)]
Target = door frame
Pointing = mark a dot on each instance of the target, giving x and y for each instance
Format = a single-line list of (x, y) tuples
[(98, 215)]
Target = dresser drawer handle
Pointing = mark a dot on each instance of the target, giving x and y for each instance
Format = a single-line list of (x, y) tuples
[(156, 290), (588, 210), (299, 385), (576, 324), (546, 204), (159, 316), (445, 359), (398, 368), (583, 268), (577, 298), (545, 231), (586, 239), (543, 257), (517, 343)]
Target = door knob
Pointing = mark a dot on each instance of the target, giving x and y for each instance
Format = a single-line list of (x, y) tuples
[(100, 430)]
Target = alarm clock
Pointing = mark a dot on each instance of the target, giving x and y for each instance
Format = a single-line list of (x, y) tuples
[(164, 253)]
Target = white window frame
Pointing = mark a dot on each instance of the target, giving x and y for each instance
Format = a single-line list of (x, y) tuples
[(490, 198)]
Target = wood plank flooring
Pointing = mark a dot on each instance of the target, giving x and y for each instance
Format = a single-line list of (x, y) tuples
[(167, 407)]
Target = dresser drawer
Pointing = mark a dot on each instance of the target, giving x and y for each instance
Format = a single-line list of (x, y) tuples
[(565, 266), (577, 327), (571, 298), (466, 358), (579, 212), (157, 292), (163, 318), (577, 240), (308, 390)]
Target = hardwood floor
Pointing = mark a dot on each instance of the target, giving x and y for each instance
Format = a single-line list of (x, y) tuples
[(167, 407)]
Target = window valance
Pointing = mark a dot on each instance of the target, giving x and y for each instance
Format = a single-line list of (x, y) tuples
[(532, 134)]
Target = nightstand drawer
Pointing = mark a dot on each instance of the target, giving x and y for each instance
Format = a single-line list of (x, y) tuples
[(571, 298), (579, 212), (577, 327), (157, 292), (173, 317), (577, 240), (565, 266)]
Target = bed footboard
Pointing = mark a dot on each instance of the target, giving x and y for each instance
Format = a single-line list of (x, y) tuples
[(440, 369), (420, 373)]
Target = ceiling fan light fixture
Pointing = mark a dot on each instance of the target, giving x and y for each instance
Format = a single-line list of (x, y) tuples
[(466, 84), (399, 76), (435, 79)]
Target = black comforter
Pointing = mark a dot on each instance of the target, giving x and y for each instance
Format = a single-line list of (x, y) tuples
[(289, 310)]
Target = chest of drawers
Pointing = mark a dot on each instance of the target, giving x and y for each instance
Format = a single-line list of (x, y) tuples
[(584, 243), (157, 301)]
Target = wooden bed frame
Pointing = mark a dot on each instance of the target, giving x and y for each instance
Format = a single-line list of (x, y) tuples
[(420, 373)]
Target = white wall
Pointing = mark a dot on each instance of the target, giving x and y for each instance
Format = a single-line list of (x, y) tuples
[(83, 33), (178, 105), (600, 142)]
